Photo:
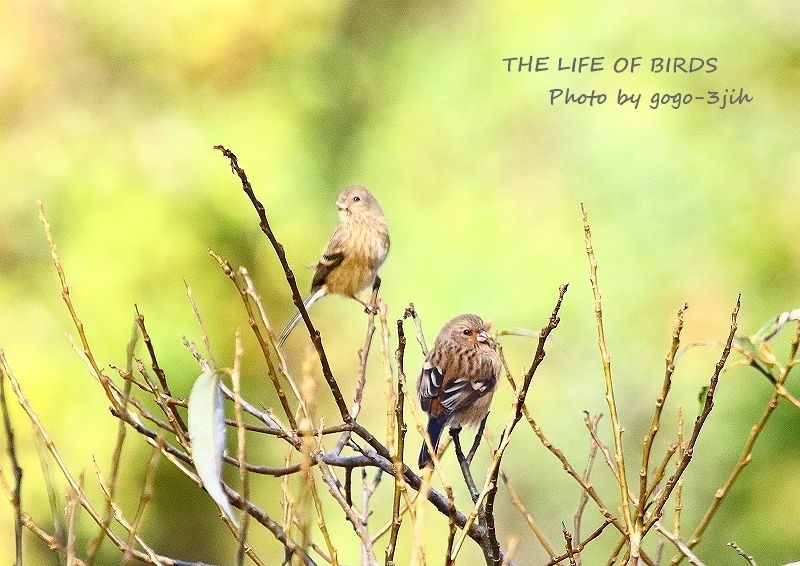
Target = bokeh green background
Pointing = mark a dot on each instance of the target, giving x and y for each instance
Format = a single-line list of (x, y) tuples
[(109, 115)]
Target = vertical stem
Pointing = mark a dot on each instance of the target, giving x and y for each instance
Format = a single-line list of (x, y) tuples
[(619, 458), (397, 461), (647, 444)]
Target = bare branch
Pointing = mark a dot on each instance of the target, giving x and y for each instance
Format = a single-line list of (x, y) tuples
[(251, 318), (750, 560), (647, 444), (95, 369), (490, 486), (11, 448), (397, 460), (747, 451), (568, 541), (297, 298), (634, 536), (655, 512)]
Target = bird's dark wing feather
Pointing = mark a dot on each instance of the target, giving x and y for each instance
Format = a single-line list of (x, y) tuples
[(461, 393), (430, 383), (326, 264), (458, 393)]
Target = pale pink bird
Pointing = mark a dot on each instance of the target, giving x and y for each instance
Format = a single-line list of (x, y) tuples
[(354, 252)]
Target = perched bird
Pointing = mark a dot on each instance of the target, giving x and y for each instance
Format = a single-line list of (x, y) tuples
[(458, 378), (353, 254)]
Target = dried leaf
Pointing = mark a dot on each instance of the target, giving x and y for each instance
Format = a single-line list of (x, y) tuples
[(766, 355), (207, 436), (774, 325), (519, 332)]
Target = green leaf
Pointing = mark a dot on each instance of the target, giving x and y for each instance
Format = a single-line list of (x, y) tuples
[(701, 397), (745, 346), (207, 436)]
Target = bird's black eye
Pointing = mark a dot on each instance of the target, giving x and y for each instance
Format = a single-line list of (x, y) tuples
[(466, 332), (356, 199)]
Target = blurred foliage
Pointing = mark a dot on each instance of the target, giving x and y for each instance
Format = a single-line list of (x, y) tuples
[(109, 115)]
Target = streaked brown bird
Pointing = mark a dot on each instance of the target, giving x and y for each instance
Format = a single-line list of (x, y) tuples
[(458, 378), (354, 252)]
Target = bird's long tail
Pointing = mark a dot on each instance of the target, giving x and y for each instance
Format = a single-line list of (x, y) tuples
[(435, 427), (312, 298)]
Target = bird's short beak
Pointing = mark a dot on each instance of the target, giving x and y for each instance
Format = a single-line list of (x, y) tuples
[(341, 204), (482, 336)]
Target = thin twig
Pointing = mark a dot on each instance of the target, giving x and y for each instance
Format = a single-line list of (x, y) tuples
[(367, 491), (657, 507), (451, 527), (173, 415), (330, 479), (94, 544), (251, 319), (685, 551), (297, 298), (361, 381), (661, 471), (128, 549), (72, 518), (388, 381), (144, 499), (534, 526), (397, 460), (490, 486), (412, 312), (244, 478), (568, 467), (750, 560), (747, 451), (75, 484), (592, 423), (282, 366), (568, 544), (99, 375), (678, 503), (312, 486), (634, 536), (11, 448), (647, 443), (579, 548)]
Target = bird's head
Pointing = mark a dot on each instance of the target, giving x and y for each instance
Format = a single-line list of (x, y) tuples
[(469, 330), (356, 200)]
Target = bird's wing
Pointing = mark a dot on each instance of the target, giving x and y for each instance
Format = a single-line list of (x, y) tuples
[(332, 257), (461, 392), (326, 264), (452, 394)]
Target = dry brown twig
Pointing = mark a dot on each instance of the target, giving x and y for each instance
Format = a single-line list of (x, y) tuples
[(490, 486), (94, 544), (568, 545), (647, 444), (265, 351), (75, 486), (747, 451), (591, 423), (297, 297), (397, 460), (15, 494)]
